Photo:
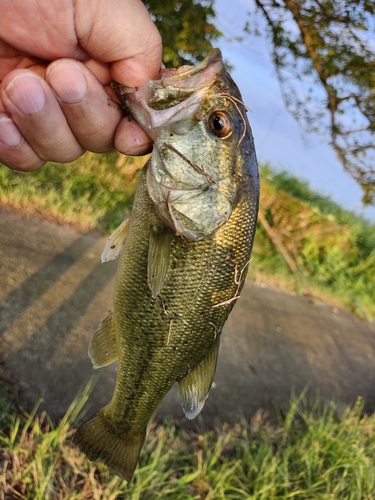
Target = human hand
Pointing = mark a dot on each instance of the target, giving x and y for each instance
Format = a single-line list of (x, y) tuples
[(56, 59)]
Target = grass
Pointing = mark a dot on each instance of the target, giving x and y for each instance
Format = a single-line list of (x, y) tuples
[(308, 454), (334, 250), (94, 192)]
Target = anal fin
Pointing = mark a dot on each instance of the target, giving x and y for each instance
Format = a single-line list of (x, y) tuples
[(103, 346), (194, 388), (158, 258), (115, 242)]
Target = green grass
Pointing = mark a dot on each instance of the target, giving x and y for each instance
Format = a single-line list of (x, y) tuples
[(95, 191), (309, 454), (334, 249)]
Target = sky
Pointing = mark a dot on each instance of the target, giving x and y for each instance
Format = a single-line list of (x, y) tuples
[(278, 138)]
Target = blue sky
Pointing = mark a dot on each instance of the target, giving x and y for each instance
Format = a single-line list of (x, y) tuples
[(278, 138)]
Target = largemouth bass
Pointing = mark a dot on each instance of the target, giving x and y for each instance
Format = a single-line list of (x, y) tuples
[(184, 255)]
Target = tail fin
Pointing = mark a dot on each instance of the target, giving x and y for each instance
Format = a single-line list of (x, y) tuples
[(100, 440)]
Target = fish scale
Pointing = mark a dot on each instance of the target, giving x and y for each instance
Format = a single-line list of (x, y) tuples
[(204, 288), (179, 274)]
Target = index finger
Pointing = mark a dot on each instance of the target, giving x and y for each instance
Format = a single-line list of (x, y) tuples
[(122, 33)]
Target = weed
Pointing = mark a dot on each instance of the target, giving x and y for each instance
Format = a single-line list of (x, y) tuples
[(334, 250), (309, 454)]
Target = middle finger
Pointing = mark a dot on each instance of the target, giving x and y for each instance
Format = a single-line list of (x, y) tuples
[(92, 115)]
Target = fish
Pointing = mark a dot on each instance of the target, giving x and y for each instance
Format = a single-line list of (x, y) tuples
[(183, 255)]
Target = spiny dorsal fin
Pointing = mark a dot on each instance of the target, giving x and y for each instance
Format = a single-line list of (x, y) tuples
[(158, 258), (103, 346), (115, 242), (194, 388)]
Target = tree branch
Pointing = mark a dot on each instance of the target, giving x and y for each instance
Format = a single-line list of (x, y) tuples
[(273, 236)]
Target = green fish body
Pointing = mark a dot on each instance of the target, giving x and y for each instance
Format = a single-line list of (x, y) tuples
[(178, 277)]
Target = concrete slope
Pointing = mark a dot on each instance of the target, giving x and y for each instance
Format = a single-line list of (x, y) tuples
[(54, 292)]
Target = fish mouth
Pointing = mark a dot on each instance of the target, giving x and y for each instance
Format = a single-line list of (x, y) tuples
[(192, 200), (177, 85), (177, 94)]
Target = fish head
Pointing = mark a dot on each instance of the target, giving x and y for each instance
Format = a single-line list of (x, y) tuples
[(203, 145)]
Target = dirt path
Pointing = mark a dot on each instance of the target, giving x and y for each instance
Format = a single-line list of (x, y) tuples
[(54, 292)]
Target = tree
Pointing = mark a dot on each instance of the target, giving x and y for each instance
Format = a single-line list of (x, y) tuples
[(324, 55), (186, 27)]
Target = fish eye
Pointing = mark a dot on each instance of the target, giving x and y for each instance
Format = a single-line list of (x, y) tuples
[(220, 124)]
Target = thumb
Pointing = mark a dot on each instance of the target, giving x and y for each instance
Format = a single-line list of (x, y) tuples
[(120, 32)]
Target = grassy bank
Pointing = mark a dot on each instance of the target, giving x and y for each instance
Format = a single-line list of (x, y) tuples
[(94, 192), (311, 454), (331, 251)]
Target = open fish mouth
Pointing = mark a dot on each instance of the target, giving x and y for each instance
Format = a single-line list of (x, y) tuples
[(177, 85), (175, 96), (174, 86)]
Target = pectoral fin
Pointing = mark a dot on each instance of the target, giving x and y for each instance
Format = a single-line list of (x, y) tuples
[(158, 258), (103, 346), (194, 388), (115, 242)]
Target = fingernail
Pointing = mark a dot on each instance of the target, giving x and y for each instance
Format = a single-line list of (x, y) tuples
[(67, 81), (27, 94), (9, 134)]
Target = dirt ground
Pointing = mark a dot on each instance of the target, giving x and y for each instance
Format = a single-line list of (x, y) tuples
[(54, 292)]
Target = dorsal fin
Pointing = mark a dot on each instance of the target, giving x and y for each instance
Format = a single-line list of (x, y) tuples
[(158, 257), (194, 388), (103, 345), (116, 241)]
